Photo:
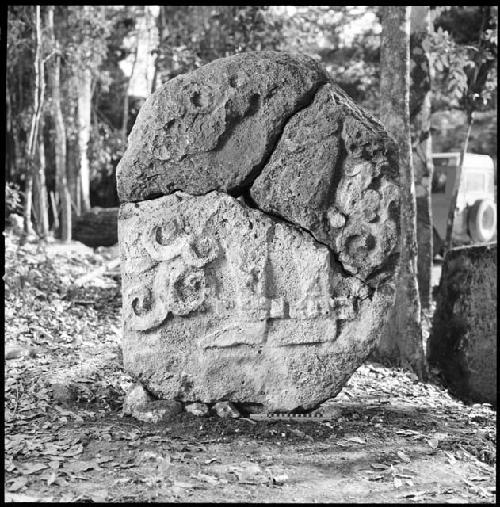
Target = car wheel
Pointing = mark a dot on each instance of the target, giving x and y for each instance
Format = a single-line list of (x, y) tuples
[(482, 221)]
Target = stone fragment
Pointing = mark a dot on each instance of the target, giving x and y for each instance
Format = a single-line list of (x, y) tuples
[(213, 128), (157, 411), (334, 172), (463, 339), (197, 409), (135, 397), (226, 409), (222, 302)]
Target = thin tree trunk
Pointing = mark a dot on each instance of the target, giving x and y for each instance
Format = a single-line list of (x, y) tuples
[(401, 341), (420, 117), (160, 26), (64, 212), (33, 135), (84, 126), (125, 94), (55, 212), (43, 204)]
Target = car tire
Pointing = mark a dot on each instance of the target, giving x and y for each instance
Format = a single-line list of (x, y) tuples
[(482, 221)]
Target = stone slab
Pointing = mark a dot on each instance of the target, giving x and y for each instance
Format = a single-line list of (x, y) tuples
[(224, 303)]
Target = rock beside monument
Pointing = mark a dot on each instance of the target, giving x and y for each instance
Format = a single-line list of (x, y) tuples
[(136, 397), (197, 409), (157, 411), (213, 128), (226, 409), (463, 340)]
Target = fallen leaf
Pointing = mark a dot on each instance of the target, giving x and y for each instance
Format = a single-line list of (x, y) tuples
[(52, 478), (413, 494), (397, 482), (18, 484), (379, 466), (105, 459), (184, 485), (18, 497), (357, 440), (478, 478), (99, 496), (33, 469), (280, 479), (433, 442), (210, 479), (403, 456), (73, 451), (81, 466)]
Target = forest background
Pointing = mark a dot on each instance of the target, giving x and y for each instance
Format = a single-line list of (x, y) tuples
[(78, 75)]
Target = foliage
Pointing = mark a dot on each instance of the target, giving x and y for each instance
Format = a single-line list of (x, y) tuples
[(344, 38), (464, 48), (13, 199), (191, 36), (346, 41), (67, 440)]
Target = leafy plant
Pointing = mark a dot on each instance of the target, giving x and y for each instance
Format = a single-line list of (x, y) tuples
[(13, 199)]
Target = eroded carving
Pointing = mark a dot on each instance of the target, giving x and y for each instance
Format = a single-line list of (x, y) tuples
[(177, 285)]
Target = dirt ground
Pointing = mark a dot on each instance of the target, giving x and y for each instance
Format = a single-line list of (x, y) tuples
[(389, 437)]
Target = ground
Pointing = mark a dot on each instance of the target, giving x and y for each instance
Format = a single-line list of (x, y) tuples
[(389, 437)]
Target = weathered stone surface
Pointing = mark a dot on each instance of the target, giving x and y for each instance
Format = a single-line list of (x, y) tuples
[(334, 173), (463, 340), (222, 302), (213, 128)]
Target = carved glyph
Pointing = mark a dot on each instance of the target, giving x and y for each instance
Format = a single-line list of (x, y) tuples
[(249, 263)]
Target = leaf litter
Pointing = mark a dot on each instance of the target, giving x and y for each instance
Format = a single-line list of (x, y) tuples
[(80, 447)]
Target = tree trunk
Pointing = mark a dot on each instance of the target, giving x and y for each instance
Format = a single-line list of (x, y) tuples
[(41, 187), (420, 117), (33, 135), (84, 126), (401, 342), (64, 212), (125, 95)]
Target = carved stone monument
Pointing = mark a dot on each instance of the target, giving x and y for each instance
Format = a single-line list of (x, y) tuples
[(258, 232)]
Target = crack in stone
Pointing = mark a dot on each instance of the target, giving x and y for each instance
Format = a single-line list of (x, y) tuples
[(250, 203), (256, 171), (279, 219), (243, 191)]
